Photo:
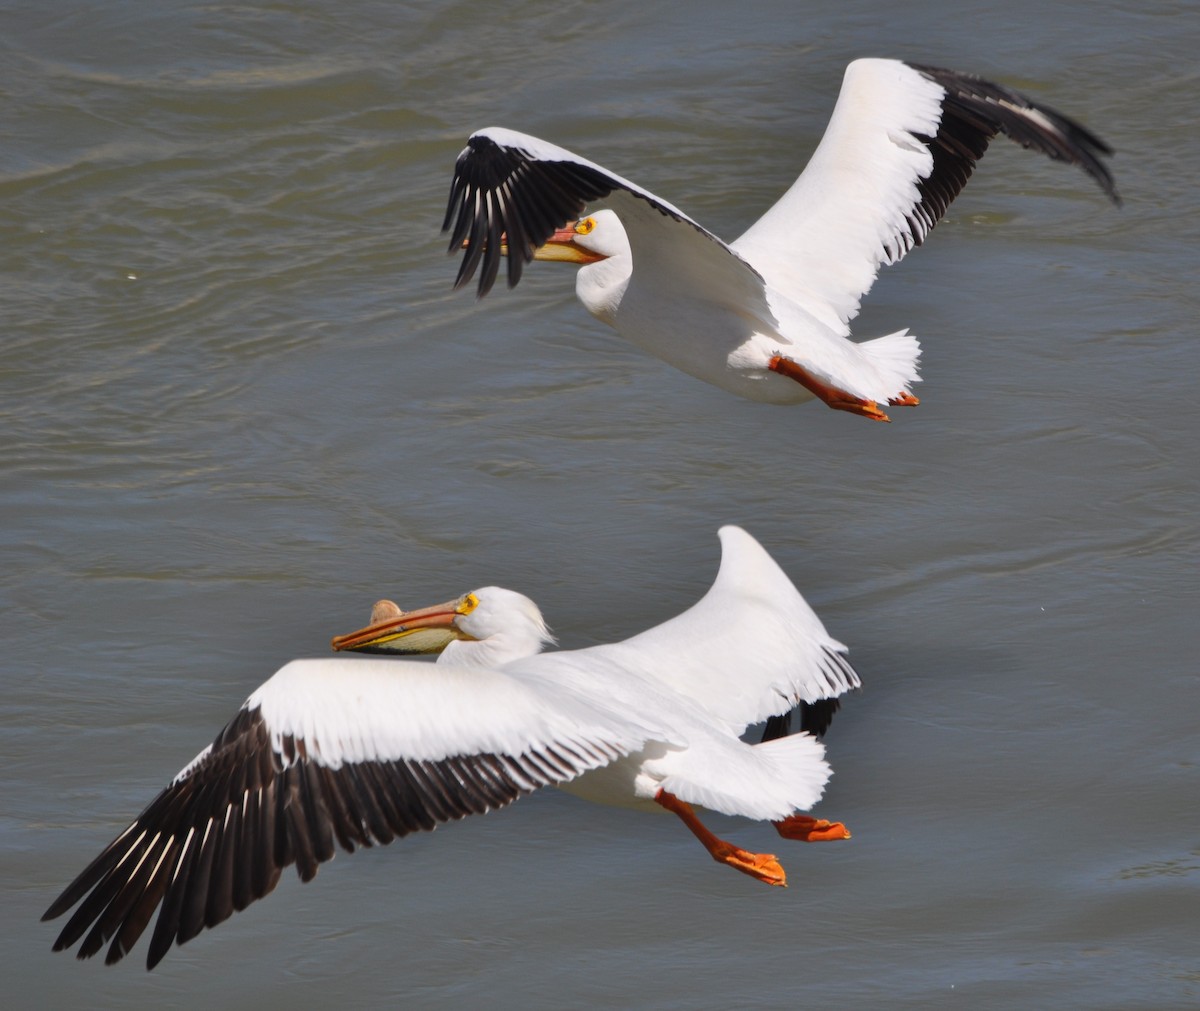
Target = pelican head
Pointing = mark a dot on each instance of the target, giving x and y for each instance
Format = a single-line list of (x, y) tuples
[(596, 237), (600, 244), (488, 626)]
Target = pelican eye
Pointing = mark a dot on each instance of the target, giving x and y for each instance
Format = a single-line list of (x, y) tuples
[(467, 604), (585, 226)]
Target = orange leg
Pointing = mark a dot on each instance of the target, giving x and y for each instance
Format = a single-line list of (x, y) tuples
[(806, 829), (839, 400), (763, 866)]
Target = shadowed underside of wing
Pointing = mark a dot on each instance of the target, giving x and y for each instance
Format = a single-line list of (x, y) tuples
[(219, 836)]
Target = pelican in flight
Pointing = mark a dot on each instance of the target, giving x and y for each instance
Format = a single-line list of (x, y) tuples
[(766, 316), (359, 750)]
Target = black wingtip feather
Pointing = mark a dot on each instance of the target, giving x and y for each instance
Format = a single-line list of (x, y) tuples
[(498, 191), (975, 110)]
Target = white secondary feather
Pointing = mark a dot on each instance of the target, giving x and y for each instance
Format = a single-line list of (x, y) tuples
[(358, 710)]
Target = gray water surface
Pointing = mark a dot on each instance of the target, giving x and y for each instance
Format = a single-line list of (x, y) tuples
[(239, 402)]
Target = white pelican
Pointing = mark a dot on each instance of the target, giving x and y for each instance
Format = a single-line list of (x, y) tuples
[(767, 316), (356, 751)]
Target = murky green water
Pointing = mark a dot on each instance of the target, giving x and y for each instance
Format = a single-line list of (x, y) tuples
[(239, 402)]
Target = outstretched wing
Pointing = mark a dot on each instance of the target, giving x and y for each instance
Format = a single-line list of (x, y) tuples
[(901, 144), (353, 752), (780, 656)]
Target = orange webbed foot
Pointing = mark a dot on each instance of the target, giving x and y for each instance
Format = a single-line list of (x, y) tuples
[(863, 408), (763, 866), (805, 829), (904, 400)]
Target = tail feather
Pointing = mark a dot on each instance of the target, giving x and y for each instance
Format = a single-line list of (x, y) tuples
[(801, 769), (766, 782), (894, 358)]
